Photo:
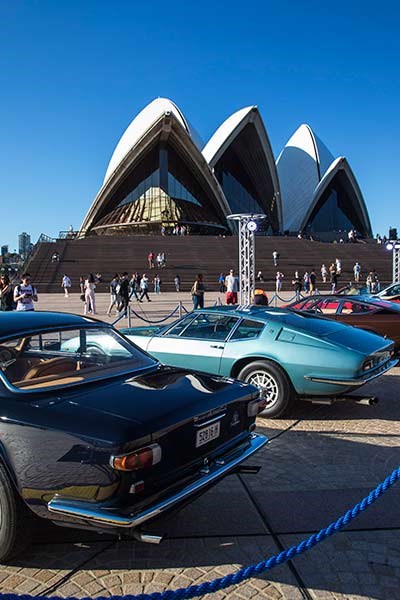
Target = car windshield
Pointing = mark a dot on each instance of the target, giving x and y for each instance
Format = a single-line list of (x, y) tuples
[(65, 357)]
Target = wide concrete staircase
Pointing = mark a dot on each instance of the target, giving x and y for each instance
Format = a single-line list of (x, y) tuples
[(188, 255)]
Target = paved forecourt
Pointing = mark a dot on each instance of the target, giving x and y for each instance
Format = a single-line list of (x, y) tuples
[(320, 462)]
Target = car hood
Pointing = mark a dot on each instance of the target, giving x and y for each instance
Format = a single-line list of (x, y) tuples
[(158, 399), (347, 336)]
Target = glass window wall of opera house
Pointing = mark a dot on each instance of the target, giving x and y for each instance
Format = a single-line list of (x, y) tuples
[(161, 176)]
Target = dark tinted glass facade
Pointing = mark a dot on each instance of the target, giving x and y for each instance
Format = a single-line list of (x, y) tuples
[(162, 191), (336, 214), (244, 175)]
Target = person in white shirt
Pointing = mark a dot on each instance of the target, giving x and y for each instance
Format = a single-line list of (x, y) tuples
[(232, 287), (66, 284), (25, 294), (357, 271)]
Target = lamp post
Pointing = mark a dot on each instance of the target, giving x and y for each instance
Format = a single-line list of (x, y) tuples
[(394, 246), (248, 225)]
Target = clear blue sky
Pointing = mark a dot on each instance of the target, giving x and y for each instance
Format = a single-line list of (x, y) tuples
[(74, 74)]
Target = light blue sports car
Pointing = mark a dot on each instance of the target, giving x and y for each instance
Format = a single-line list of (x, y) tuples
[(286, 354)]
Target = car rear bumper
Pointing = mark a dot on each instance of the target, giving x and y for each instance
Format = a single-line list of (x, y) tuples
[(357, 381), (110, 517)]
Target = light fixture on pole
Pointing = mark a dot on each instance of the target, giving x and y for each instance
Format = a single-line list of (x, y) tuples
[(394, 246), (248, 225)]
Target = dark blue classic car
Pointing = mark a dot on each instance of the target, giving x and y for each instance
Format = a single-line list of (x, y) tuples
[(107, 442)]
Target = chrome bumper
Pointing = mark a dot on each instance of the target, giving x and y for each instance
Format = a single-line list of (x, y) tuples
[(359, 381), (109, 517)]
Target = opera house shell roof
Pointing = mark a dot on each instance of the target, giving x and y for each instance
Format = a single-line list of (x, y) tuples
[(160, 175)]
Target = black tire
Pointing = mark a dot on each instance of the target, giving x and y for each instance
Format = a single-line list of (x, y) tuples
[(16, 520), (277, 387)]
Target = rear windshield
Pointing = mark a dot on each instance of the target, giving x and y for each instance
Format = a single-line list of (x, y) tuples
[(64, 357)]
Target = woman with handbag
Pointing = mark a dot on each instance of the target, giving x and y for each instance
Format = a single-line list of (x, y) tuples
[(197, 292), (90, 302)]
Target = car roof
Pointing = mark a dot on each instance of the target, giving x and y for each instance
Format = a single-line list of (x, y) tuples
[(16, 323), (260, 312)]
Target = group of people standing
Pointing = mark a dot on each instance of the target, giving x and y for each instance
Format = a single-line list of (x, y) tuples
[(123, 289), (160, 260)]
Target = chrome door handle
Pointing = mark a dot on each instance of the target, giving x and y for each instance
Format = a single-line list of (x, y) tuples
[(216, 346)]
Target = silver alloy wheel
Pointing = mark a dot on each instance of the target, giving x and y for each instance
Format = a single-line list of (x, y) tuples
[(267, 384)]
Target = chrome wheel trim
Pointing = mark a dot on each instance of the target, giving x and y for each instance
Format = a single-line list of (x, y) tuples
[(267, 384)]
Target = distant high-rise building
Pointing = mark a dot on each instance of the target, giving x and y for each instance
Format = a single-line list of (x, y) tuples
[(4, 250), (24, 244)]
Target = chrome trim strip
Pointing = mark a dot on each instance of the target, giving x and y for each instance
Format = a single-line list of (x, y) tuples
[(91, 513), (218, 418), (360, 381)]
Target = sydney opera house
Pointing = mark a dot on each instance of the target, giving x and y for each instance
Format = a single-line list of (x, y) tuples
[(162, 175)]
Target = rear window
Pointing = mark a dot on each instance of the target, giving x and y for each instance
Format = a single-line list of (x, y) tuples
[(64, 357), (248, 330)]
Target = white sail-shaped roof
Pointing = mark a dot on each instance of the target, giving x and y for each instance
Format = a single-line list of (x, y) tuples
[(140, 125), (301, 165), (224, 135)]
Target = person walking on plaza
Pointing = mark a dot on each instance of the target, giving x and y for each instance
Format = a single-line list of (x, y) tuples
[(177, 283), (296, 282), (275, 256), (144, 288), (324, 273), (313, 282), (306, 282), (114, 283), (376, 286), (157, 284), (279, 281), (6, 294), (338, 263), (232, 288), (150, 258), (357, 271), (123, 294), (66, 284), (133, 286), (197, 292), (221, 283), (334, 277), (82, 285), (25, 294), (90, 299)]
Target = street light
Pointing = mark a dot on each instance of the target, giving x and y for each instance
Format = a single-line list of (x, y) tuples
[(394, 246)]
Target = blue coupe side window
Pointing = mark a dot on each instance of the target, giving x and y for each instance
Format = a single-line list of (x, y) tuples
[(208, 326), (248, 330)]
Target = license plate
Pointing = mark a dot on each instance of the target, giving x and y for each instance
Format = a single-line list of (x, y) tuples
[(207, 434)]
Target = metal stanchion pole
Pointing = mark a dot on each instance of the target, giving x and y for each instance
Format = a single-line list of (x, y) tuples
[(129, 317), (180, 309)]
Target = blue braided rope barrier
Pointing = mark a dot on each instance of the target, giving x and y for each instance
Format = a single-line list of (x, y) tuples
[(209, 587)]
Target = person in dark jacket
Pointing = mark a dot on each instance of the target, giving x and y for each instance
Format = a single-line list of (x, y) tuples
[(6, 294), (123, 294), (260, 298)]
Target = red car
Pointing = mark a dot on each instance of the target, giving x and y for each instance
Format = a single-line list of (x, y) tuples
[(370, 313)]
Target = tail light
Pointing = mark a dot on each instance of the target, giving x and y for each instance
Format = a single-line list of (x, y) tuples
[(256, 406), (139, 459)]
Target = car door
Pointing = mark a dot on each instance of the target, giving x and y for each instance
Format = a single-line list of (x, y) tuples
[(197, 344)]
